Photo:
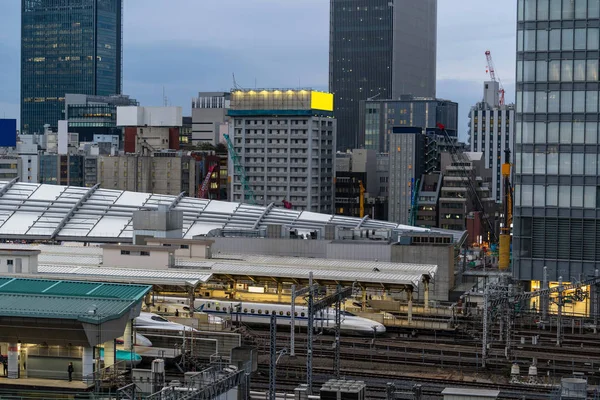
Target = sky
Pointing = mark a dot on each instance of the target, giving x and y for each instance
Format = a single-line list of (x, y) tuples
[(181, 47)]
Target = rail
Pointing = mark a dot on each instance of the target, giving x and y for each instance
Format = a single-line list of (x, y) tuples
[(106, 374)]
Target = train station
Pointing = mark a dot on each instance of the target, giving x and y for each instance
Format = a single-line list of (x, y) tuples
[(214, 279)]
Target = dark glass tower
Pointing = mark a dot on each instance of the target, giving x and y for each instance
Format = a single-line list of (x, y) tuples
[(557, 179), (67, 46), (378, 49)]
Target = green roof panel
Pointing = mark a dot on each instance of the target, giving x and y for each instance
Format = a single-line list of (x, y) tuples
[(91, 302)]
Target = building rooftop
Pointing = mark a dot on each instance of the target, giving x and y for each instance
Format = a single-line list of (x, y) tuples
[(68, 213), (90, 302)]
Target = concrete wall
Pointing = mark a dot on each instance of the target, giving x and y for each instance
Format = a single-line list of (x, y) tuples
[(154, 259), (359, 251), (273, 247), (28, 264), (442, 256), (157, 220)]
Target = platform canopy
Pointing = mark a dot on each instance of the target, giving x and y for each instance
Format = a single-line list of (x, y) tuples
[(61, 311), (68, 213)]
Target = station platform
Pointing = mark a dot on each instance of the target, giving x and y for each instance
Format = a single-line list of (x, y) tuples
[(403, 323), (43, 384)]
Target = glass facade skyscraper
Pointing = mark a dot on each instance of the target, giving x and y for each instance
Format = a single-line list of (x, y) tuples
[(67, 46), (557, 180), (379, 49)]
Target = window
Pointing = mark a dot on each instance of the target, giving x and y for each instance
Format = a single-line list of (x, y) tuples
[(260, 311), (9, 262), (542, 40), (592, 38), (552, 195), (566, 73), (158, 318), (591, 132), (541, 71), (592, 70), (144, 253), (125, 252), (252, 311), (245, 310), (579, 70), (591, 101), (590, 163), (553, 102), (302, 314), (565, 164), (552, 163), (579, 101)]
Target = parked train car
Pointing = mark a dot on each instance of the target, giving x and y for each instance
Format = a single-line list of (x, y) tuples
[(156, 322), (260, 314)]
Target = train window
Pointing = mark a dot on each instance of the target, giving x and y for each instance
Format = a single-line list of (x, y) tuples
[(302, 315), (267, 312), (288, 313), (159, 319), (225, 309), (217, 308), (252, 311), (208, 305), (295, 314), (280, 312), (260, 311), (245, 310)]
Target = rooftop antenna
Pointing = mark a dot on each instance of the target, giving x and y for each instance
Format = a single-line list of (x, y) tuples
[(165, 100)]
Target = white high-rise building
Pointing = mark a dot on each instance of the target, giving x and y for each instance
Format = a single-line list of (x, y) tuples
[(491, 129), (285, 140)]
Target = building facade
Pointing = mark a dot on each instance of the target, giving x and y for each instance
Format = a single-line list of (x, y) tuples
[(69, 46), (491, 131), (379, 49), (62, 169), (379, 117), (161, 172), (209, 114), (556, 140), (285, 140), (90, 116)]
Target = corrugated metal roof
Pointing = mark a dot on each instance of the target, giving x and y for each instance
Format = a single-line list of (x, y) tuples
[(92, 302), (55, 212), (167, 277)]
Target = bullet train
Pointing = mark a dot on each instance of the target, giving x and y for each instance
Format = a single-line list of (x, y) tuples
[(260, 314), (139, 340), (152, 321)]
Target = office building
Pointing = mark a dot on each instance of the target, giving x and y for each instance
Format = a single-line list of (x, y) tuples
[(69, 46), (379, 49), (150, 129), (185, 135), (61, 169), (91, 116), (165, 172), (285, 140), (556, 138), (379, 117), (28, 151), (10, 167), (491, 131), (209, 117), (354, 169)]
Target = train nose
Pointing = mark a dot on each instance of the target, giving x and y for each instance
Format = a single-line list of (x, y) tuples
[(379, 328)]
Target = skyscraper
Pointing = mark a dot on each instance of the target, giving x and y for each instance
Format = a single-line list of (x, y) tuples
[(67, 46), (557, 181), (379, 49)]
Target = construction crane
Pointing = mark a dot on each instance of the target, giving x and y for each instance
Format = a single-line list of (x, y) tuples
[(361, 199), (460, 160), (505, 238), (204, 187), (495, 78), (248, 193)]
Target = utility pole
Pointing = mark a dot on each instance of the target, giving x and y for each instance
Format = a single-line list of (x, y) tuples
[(559, 304), (292, 323), (273, 357), (338, 322), (309, 331)]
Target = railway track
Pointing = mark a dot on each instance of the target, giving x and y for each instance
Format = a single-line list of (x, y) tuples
[(377, 383)]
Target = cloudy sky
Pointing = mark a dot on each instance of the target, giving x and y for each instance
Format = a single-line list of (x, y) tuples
[(186, 46)]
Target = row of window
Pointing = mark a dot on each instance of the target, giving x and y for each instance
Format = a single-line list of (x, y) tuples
[(577, 196), (557, 71), (531, 10), (555, 101), (576, 132), (557, 163), (557, 39)]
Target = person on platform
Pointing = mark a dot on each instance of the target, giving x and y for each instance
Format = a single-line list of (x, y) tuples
[(70, 371)]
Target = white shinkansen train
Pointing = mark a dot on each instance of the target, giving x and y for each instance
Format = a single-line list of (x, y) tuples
[(152, 321), (260, 314)]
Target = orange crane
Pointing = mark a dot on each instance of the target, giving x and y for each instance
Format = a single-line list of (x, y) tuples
[(492, 71)]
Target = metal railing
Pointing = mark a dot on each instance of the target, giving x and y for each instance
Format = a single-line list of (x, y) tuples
[(106, 374)]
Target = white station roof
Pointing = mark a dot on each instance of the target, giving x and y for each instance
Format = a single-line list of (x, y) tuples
[(69, 213)]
